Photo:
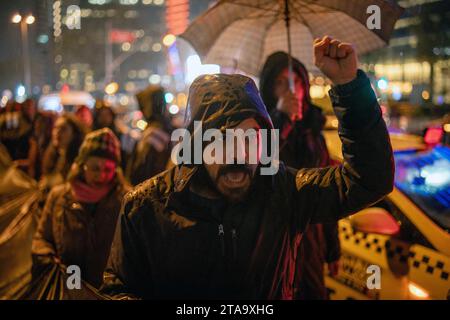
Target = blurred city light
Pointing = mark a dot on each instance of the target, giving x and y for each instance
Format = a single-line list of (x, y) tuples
[(16, 18), (3, 101), (425, 95), (407, 87), (156, 47), (124, 100), (8, 94), (181, 99), (168, 97), (396, 93), (169, 39), (43, 39), (141, 124), (51, 102), (173, 109), (130, 86), (126, 46), (154, 79), (316, 92), (64, 73), (20, 90), (195, 68), (433, 136), (438, 174), (447, 127), (30, 19), (417, 291), (111, 88), (382, 84)]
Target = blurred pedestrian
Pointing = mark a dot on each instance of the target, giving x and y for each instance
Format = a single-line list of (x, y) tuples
[(29, 109), (84, 115), (67, 136), (302, 145), (39, 141), (151, 154), (79, 217), (15, 130), (105, 117)]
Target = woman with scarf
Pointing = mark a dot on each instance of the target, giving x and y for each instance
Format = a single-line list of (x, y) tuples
[(79, 217)]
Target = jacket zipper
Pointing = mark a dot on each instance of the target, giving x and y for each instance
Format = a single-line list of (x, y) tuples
[(234, 239), (222, 239)]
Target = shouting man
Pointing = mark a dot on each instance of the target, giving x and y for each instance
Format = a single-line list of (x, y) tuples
[(227, 231)]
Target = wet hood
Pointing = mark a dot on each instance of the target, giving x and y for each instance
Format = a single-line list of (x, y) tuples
[(222, 101)]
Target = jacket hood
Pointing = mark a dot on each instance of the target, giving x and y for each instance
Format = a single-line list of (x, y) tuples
[(222, 101), (152, 102), (274, 65)]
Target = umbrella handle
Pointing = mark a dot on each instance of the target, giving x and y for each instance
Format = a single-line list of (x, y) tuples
[(288, 31)]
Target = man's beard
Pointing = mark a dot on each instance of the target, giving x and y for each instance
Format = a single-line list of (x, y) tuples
[(237, 194), (232, 195)]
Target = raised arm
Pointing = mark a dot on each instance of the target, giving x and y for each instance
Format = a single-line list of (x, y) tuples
[(367, 172)]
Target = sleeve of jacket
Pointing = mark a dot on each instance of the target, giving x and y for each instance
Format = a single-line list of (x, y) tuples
[(43, 244), (367, 172), (128, 273), (333, 246)]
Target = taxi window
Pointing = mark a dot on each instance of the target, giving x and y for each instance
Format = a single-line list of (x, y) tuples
[(425, 178), (408, 231)]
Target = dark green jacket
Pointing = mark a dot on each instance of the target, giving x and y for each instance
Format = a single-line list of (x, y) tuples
[(168, 243)]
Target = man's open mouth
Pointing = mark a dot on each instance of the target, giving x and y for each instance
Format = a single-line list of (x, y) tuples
[(235, 178)]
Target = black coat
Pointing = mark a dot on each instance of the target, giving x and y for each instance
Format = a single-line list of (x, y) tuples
[(168, 243), (302, 145)]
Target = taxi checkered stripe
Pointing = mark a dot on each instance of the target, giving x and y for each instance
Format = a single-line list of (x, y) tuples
[(379, 245)]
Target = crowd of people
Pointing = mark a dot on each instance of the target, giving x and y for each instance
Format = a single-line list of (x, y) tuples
[(79, 160), (85, 173)]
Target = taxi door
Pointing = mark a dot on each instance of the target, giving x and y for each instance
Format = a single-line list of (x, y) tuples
[(389, 244)]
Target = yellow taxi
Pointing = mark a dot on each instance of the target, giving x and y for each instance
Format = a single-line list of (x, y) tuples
[(400, 247)]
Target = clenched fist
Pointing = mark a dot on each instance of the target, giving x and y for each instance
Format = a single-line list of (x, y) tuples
[(337, 60)]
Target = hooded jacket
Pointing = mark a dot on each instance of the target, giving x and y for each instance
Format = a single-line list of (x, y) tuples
[(145, 160), (303, 147), (169, 243)]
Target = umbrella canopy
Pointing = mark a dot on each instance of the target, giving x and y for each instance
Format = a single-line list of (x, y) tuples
[(241, 34)]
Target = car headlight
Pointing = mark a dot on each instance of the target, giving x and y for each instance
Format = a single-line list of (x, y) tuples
[(417, 292)]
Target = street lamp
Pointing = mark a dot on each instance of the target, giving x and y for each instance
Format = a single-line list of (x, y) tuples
[(30, 19), (16, 18)]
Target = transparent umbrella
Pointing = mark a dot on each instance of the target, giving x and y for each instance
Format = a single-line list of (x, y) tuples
[(241, 34)]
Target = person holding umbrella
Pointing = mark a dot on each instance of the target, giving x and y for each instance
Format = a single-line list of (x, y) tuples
[(227, 231), (302, 145)]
